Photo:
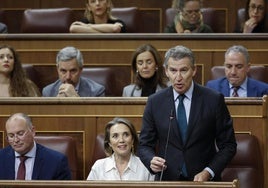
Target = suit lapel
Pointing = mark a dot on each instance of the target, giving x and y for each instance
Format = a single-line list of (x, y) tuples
[(224, 88), (10, 164), (196, 107), (251, 89), (38, 163)]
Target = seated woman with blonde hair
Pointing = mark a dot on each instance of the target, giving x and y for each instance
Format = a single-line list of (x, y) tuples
[(98, 19), (13, 79)]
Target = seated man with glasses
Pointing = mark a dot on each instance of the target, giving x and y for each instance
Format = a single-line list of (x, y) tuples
[(24, 159), (255, 21), (189, 18)]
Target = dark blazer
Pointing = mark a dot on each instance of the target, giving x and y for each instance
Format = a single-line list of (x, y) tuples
[(87, 88), (209, 121), (255, 88), (48, 164)]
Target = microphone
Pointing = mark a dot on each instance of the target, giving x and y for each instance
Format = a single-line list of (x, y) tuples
[(171, 116)]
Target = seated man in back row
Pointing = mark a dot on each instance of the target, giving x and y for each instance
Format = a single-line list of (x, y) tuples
[(71, 83), (236, 83)]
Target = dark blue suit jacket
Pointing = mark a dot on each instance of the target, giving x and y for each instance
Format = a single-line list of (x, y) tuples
[(209, 123), (48, 164), (255, 88)]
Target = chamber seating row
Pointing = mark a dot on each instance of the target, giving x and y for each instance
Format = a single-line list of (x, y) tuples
[(58, 20), (115, 78), (246, 166)]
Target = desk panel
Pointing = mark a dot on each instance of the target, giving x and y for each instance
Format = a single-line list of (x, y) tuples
[(84, 118)]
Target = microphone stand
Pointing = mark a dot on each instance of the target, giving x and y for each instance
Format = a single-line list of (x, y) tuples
[(166, 146)]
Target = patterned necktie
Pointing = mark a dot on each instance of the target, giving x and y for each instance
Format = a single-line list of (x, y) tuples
[(235, 89), (22, 169), (181, 115)]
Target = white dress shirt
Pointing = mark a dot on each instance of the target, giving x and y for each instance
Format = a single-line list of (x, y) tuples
[(105, 169), (29, 163)]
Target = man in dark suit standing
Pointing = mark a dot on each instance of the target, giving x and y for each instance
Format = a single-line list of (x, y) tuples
[(236, 83), (198, 148), (41, 163)]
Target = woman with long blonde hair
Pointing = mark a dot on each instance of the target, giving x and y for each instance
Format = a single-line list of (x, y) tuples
[(98, 19)]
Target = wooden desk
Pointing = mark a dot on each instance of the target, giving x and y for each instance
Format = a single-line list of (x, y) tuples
[(118, 184), (84, 118), (117, 49)]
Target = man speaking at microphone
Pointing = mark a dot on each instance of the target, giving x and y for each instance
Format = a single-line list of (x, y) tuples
[(187, 132)]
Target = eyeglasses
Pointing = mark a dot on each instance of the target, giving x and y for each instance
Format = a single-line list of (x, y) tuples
[(20, 135), (192, 12), (95, 1), (255, 7)]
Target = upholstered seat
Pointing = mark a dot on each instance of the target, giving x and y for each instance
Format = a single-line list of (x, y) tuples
[(112, 78), (53, 20), (98, 148), (1, 16), (63, 144), (241, 17), (257, 72), (247, 164), (130, 16), (210, 16)]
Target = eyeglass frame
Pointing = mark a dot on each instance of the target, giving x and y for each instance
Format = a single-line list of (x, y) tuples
[(95, 1), (191, 12), (20, 135), (259, 8)]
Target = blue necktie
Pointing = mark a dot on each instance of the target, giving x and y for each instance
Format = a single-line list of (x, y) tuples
[(181, 115), (182, 121)]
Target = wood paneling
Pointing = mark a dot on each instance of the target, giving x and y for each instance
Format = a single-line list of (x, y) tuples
[(119, 184), (84, 118)]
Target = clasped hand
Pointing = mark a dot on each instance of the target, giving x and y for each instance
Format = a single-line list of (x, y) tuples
[(67, 90)]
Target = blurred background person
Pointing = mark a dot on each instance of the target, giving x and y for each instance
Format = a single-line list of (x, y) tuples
[(70, 83), (13, 79), (188, 19), (255, 18), (147, 67), (120, 145), (40, 163), (3, 28), (98, 19)]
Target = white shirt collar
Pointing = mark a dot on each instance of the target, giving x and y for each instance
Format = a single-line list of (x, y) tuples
[(30, 153)]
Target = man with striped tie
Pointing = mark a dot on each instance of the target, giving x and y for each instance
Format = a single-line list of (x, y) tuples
[(236, 82)]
